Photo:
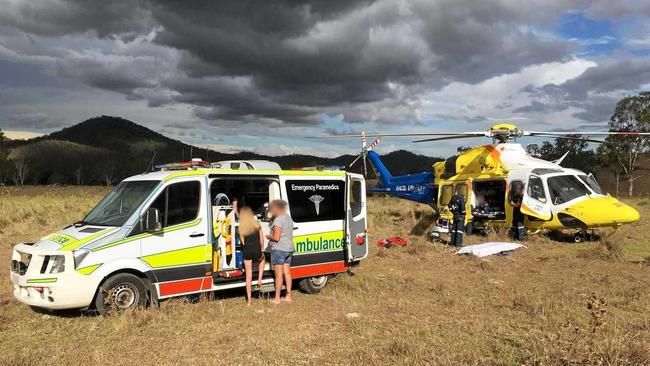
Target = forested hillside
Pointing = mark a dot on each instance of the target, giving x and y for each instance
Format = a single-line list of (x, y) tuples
[(104, 150)]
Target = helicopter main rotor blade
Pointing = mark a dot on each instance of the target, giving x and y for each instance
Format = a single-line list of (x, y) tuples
[(570, 138), (587, 133), (449, 138), (404, 134)]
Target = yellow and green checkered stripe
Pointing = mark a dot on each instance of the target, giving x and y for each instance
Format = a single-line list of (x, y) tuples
[(61, 239)]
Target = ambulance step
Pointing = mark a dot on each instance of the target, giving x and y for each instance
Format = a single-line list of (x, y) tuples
[(267, 287)]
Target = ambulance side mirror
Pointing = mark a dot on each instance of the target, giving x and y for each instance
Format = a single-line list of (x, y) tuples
[(151, 220)]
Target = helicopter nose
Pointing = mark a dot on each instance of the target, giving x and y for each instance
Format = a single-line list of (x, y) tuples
[(598, 211), (631, 214)]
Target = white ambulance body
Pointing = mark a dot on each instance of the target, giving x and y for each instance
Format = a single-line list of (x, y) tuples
[(170, 233)]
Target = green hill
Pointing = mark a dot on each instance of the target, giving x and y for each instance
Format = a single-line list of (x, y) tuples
[(107, 149)]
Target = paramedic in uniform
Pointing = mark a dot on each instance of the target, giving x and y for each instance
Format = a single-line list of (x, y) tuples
[(516, 197), (457, 208), (281, 243)]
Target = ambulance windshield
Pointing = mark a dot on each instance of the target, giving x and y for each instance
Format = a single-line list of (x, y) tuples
[(120, 203)]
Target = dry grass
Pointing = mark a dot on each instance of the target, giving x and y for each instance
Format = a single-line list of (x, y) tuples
[(553, 303)]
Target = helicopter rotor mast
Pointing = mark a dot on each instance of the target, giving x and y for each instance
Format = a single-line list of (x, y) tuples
[(365, 148)]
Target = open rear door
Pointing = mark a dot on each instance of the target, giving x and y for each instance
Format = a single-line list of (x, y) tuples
[(356, 221), (536, 202)]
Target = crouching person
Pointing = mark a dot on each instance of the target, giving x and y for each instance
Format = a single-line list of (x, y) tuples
[(281, 243)]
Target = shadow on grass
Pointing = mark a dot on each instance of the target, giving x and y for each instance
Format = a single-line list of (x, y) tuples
[(189, 300)]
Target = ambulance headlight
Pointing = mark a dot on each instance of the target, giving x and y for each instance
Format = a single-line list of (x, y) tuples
[(58, 264), (79, 256)]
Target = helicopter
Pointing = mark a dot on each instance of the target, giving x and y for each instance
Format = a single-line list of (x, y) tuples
[(555, 198)]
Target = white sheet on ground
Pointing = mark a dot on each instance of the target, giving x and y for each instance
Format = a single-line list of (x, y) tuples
[(485, 249)]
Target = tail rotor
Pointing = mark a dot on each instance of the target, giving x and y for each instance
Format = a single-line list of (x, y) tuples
[(364, 152)]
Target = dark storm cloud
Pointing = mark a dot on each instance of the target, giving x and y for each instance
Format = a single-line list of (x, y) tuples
[(299, 54), (597, 109), (533, 107), (60, 17), (618, 8), (617, 73), (609, 75), (289, 61), (595, 91), (32, 120), (478, 40)]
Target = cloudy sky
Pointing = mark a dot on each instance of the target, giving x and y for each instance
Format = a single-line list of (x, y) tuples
[(260, 75)]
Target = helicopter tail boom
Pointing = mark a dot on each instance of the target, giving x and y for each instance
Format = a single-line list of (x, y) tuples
[(414, 187)]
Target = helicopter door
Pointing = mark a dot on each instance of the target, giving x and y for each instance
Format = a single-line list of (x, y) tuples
[(535, 202)]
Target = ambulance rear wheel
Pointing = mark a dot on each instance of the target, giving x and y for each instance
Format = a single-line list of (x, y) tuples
[(120, 292), (313, 285)]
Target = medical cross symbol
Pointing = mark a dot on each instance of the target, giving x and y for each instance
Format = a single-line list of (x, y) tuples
[(317, 199)]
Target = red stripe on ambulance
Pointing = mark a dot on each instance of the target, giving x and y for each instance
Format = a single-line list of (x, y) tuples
[(179, 287), (318, 269), (207, 283)]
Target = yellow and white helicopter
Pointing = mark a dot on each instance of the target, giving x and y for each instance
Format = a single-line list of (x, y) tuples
[(555, 198)]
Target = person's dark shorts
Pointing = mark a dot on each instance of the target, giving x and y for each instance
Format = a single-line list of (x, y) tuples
[(281, 257), (252, 252)]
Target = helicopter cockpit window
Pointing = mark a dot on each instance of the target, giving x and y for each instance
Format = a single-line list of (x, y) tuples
[(564, 188), (536, 188), (590, 180)]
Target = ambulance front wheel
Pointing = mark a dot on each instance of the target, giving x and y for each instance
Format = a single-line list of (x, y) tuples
[(120, 292), (313, 285)]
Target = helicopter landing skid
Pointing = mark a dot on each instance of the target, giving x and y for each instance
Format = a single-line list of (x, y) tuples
[(584, 235)]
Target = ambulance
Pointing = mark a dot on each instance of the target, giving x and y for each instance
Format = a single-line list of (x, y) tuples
[(172, 232)]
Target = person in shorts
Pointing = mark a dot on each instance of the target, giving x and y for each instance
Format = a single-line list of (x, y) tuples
[(281, 243), (250, 234)]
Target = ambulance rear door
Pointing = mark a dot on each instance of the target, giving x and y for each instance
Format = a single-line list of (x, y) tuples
[(317, 207), (356, 221)]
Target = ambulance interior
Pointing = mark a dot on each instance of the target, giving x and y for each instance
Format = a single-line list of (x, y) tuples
[(255, 192)]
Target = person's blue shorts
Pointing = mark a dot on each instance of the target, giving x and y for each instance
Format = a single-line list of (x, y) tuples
[(281, 257)]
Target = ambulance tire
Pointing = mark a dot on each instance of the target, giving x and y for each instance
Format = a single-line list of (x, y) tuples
[(313, 285), (123, 291)]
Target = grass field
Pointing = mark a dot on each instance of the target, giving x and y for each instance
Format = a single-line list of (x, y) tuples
[(552, 303)]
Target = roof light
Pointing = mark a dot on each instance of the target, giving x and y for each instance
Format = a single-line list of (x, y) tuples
[(183, 165)]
